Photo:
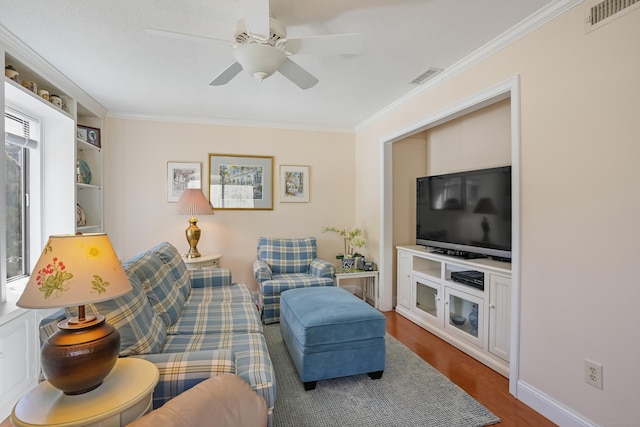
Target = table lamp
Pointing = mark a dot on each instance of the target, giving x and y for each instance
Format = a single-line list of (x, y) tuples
[(192, 202), (75, 270)]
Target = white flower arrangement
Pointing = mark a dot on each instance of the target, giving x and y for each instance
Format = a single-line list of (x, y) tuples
[(353, 241)]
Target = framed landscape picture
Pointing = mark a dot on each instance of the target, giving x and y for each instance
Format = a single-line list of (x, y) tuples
[(294, 184), (180, 176), (240, 181)]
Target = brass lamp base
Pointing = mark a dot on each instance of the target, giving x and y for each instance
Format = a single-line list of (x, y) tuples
[(193, 236), (78, 357)]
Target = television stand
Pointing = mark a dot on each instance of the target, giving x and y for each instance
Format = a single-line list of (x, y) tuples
[(466, 302)]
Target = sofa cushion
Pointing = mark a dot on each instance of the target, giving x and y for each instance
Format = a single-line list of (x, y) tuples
[(252, 357), (238, 292), (141, 330), (217, 318), (287, 255), (172, 259), (162, 289), (181, 371)]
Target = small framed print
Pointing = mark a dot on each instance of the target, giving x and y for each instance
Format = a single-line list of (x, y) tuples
[(180, 176), (294, 184), (89, 135)]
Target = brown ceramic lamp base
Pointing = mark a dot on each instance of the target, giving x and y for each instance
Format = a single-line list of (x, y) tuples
[(80, 355)]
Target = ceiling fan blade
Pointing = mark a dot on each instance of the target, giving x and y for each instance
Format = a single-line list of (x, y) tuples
[(226, 76), (339, 44), (256, 16), (297, 74), (183, 36)]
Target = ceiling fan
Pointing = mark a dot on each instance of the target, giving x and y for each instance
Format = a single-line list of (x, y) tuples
[(262, 47)]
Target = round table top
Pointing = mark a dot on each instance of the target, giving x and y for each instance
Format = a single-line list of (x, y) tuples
[(130, 381)]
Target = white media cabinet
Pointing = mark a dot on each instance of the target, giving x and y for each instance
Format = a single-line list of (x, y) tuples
[(430, 298)]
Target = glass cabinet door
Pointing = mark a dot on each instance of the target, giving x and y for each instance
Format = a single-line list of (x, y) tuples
[(465, 316), (427, 299)]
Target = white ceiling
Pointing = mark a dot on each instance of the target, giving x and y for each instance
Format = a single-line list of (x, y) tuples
[(102, 46)]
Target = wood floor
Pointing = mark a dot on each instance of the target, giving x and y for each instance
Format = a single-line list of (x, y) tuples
[(482, 383), (485, 385)]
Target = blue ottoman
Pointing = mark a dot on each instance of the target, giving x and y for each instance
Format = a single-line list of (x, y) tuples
[(331, 333)]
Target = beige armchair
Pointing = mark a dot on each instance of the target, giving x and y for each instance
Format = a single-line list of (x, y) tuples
[(222, 401)]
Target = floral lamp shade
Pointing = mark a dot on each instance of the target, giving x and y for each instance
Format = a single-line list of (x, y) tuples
[(74, 270)]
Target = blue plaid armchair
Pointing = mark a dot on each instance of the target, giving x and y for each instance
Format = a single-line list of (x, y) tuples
[(287, 264)]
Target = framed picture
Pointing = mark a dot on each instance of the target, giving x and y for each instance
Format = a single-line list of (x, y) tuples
[(181, 175), (240, 182), (294, 184), (90, 135)]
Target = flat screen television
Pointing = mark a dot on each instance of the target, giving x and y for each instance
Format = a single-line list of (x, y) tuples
[(466, 213)]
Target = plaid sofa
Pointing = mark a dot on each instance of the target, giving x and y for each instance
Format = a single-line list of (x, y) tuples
[(192, 324), (287, 264)]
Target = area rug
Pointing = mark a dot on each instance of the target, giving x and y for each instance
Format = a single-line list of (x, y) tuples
[(410, 393)]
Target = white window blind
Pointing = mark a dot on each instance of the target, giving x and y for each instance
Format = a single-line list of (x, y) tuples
[(17, 131)]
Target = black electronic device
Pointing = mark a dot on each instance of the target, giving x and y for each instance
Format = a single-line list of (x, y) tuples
[(470, 278), (466, 212)]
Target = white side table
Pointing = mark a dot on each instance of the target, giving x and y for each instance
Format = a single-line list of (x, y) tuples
[(125, 395), (370, 276), (204, 261)]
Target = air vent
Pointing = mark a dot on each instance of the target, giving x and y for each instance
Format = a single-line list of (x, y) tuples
[(430, 73), (599, 13)]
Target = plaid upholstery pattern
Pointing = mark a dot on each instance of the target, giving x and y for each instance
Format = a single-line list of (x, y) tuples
[(271, 290), (209, 277), (169, 255), (223, 318), (238, 292), (261, 271), (252, 357), (321, 268), (287, 264), (287, 255), (181, 371), (163, 291)]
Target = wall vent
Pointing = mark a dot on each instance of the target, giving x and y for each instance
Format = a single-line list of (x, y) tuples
[(430, 73), (599, 12)]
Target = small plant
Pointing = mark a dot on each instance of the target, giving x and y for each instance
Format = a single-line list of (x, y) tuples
[(353, 241)]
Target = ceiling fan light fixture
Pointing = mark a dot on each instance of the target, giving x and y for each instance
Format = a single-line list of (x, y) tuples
[(259, 60)]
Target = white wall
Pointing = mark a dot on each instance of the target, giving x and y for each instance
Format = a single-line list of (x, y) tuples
[(138, 215), (580, 203)]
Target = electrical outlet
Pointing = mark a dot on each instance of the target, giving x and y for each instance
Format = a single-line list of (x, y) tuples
[(593, 373)]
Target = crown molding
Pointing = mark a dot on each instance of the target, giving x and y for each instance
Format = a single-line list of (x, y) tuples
[(225, 122), (515, 33)]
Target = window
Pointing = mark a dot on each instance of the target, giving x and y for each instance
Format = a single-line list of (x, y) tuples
[(18, 142)]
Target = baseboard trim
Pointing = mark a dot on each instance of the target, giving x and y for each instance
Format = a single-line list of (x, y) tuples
[(551, 409)]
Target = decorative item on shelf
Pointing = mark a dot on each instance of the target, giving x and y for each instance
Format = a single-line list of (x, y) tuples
[(369, 266), (55, 100), (81, 219), (85, 171), (458, 320), (192, 202), (75, 270), (30, 85), (350, 259), (44, 94), (12, 73), (473, 319)]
